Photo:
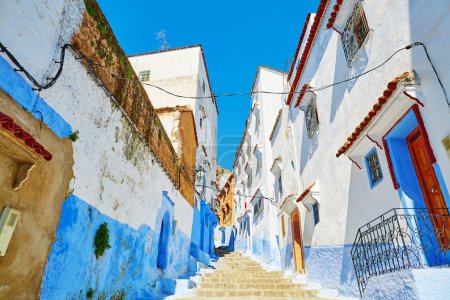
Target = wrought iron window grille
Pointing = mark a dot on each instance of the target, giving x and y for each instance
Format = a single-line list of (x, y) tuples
[(373, 168), (401, 239), (312, 119), (315, 210), (355, 32)]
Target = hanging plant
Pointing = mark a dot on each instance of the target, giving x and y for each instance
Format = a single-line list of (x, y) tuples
[(101, 240)]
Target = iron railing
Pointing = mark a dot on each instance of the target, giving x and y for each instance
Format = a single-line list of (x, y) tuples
[(401, 239)]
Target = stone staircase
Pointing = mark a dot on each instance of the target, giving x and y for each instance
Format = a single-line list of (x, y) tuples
[(237, 276)]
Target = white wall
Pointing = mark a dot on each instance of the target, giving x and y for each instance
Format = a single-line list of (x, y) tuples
[(182, 71), (343, 187), (116, 174)]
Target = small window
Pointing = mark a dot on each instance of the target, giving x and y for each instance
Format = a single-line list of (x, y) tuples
[(354, 33), (280, 186), (312, 119), (201, 122), (373, 168), (203, 86), (144, 75), (315, 209), (258, 165)]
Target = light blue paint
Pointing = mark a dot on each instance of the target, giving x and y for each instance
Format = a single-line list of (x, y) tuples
[(332, 267), (203, 224), (130, 264), (410, 191), (369, 173), (163, 243), (21, 91), (287, 257), (413, 284)]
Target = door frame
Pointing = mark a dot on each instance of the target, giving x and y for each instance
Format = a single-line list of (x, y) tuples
[(299, 265)]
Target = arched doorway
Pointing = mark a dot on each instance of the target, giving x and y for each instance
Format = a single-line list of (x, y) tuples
[(297, 242), (163, 243)]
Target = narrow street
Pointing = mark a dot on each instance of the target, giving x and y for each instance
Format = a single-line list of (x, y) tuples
[(258, 149), (237, 276)]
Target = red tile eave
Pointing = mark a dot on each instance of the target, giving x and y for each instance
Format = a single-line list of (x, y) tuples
[(298, 46), (305, 192), (254, 195), (204, 150), (277, 120), (388, 92), (334, 14), (301, 94), (8, 123), (308, 47)]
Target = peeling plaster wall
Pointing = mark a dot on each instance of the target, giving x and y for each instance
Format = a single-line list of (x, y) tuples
[(39, 198), (183, 72), (118, 179)]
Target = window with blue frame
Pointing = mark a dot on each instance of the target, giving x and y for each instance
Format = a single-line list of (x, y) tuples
[(373, 168), (315, 209)]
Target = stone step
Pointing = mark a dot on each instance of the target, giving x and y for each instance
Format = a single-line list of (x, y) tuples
[(204, 292), (251, 285), (247, 298), (241, 269), (243, 273), (240, 280)]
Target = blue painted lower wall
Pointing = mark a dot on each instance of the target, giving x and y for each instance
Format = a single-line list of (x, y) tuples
[(21, 91), (129, 265)]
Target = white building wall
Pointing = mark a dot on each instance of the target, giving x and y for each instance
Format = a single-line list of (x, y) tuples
[(262, 230), (182, 71), (116, 177), (346, 199)]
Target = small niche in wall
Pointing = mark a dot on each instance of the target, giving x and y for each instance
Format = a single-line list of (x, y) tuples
[(17, 160)]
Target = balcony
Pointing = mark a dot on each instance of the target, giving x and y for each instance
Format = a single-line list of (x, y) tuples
[(401, 239)]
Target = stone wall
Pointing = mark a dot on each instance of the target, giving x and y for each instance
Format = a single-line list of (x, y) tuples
[(96, 41)]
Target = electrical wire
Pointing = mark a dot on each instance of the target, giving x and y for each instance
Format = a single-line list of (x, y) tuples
[(408, 47), (52, 80), (272, 200)]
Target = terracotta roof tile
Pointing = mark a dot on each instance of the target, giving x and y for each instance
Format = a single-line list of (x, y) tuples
[(308, 47), (305, 192), (276, 124), (376, 108), (8, 123), (334, 14)]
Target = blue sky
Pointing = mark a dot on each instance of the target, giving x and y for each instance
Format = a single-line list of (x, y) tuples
[(237, 37)]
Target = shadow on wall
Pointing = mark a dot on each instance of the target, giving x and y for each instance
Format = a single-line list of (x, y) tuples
[(202, 237), (130, 265), (342, 71)]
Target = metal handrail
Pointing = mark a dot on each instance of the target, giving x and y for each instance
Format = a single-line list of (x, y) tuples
[(401, 238)]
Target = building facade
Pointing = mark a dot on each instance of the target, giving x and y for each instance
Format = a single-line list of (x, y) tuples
[(253, 185), (103, 196), (359, 153)]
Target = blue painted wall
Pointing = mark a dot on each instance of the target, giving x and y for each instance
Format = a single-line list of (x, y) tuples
[(202, 236), (130, 263), (410, 191), (21, 91)]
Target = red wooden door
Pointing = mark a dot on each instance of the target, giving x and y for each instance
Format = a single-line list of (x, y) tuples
[(297, 242), (430, 187)]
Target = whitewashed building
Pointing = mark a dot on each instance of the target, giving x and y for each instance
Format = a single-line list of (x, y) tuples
[(362, 149), (125, 172), (182, 71), (253, 183)]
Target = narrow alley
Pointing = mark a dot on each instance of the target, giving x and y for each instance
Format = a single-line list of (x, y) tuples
[(224, 150)]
